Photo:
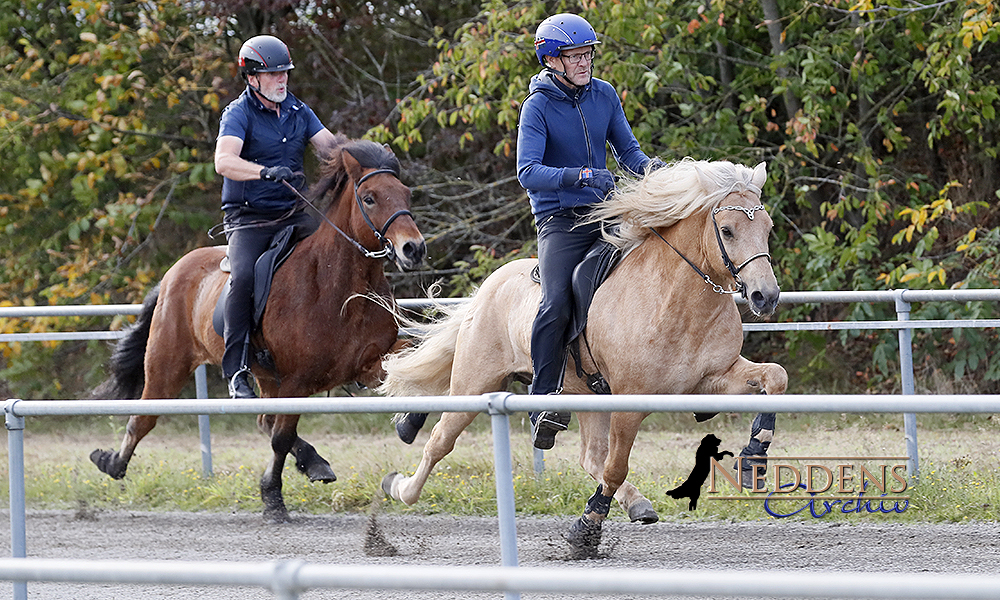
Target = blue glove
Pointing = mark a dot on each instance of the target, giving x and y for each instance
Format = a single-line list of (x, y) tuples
[(276, 174), (654, 164), (599, 179)]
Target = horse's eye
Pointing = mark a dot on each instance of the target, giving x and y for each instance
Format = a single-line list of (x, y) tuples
[(369, 201), (727, 233)]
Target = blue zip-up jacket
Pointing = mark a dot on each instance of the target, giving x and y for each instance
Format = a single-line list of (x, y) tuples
[(267, 141), (562, 130)]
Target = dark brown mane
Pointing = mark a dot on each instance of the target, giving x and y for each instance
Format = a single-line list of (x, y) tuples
[(333, 174)]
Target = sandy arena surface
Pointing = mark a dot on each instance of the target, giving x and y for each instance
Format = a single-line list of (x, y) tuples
[(443, 540)]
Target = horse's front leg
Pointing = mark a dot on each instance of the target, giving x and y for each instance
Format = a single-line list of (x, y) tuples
[(594, 428), (307, 460), (283, 436), (446, 431), (747, 377), (116, 463), (585, 533)]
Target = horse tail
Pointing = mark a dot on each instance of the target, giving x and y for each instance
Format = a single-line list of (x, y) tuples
[(424, 368), (126, 367)]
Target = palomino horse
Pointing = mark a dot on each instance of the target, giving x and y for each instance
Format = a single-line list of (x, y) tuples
[(658, 325), (329, 317)]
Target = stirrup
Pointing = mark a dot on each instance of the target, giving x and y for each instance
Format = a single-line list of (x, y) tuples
[(250, 382)]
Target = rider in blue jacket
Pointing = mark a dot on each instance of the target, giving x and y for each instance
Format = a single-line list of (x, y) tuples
[(567, 121)]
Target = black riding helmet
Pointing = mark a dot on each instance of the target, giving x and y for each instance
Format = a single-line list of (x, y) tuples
[(264, 54)]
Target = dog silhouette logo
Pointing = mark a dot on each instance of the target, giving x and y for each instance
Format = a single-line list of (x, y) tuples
[(691, 488)]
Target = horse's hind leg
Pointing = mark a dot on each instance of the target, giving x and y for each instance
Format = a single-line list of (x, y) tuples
[(594, 451), (307, 459), (116, 463), (446, 431), (585, 534), (164, 379)]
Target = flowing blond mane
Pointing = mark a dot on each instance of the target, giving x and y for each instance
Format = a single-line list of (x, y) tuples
[(669, 195)]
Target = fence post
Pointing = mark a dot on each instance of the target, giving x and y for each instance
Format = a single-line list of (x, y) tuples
[(908, 387), (503, 466), (204, 423), (15, 460)]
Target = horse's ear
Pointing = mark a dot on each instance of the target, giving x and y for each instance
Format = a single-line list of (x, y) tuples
[(759, 175), (351, 165)]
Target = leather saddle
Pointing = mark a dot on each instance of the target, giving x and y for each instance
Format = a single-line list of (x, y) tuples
[(593, 270), (280, 249)]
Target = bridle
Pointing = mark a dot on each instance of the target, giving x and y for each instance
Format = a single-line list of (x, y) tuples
[(387, 250), (733, 269)]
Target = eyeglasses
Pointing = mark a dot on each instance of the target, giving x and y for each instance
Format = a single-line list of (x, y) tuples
[(575, 59)]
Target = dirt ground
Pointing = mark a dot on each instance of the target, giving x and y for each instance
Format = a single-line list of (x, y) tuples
[(442, 540)]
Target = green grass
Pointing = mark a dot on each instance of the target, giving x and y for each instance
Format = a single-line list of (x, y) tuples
[(959, 466)]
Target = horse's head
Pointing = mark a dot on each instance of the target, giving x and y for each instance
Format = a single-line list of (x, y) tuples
[(379, 205), (739, 226)]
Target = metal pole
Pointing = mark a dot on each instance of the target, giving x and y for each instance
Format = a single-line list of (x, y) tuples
[(204, 425), (538, 460), (15, 458), (906, 377), (504, 470)]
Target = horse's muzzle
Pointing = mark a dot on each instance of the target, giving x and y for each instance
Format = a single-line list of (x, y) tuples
[(764, 302), (411, 254)]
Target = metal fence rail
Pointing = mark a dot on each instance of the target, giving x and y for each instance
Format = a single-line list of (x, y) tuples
[(498, 405), (288, 579), (902, 300)]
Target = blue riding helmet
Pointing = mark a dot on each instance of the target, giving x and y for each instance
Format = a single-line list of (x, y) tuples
[(564, 31)]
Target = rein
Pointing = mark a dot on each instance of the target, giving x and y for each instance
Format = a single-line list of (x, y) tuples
[(734, 270), (387, 249)]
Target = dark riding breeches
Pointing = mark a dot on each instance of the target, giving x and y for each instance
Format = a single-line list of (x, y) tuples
[(562, 244), (250, 238)]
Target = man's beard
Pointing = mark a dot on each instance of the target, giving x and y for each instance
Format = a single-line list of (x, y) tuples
[(276, 97)]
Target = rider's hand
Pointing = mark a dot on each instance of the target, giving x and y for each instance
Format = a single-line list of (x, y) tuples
[(278, 173), (599, 179), (654, 164)]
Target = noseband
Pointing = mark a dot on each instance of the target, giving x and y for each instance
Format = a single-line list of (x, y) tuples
[(387, 247), (733, 269)]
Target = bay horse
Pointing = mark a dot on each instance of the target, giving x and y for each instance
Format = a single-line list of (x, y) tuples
[(329, 317), (660, 324)]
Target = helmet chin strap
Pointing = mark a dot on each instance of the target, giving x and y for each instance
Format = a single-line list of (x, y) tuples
[(259, 92)]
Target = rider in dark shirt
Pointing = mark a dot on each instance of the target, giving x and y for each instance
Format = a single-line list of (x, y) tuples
[(261, 144)]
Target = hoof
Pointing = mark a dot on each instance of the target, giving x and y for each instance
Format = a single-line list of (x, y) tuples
[(312, 465), (746, 473), (321, 473), (105, 461), (387, 484), (642, 512), (702, 417), (584, 537), (409, 425), (274, 505)]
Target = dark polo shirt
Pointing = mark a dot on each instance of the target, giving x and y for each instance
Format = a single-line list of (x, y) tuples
[(268, 141)]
